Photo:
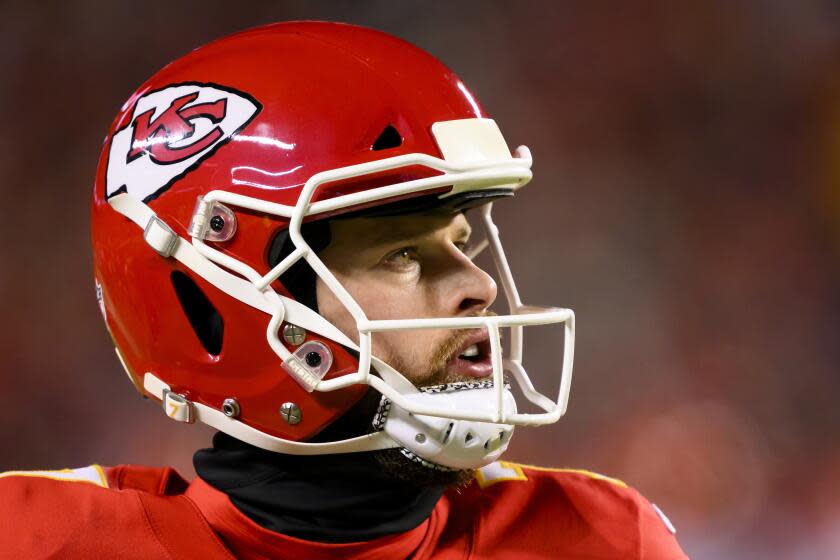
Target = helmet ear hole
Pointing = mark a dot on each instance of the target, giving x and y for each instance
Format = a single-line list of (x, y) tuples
[(299, 280), (203, 317)]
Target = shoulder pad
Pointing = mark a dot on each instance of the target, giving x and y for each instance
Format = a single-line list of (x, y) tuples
[(501, 471)]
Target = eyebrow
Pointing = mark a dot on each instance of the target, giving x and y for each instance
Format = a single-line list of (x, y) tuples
[(385, 236)]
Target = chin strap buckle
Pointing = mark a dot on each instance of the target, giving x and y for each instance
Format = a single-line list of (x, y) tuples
[(178, 407), (160, 237)]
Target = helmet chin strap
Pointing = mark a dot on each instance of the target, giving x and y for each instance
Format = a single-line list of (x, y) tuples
[(437, 441), (433, 441)]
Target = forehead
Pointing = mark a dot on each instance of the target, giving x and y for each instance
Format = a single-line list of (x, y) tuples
[(379, 231)]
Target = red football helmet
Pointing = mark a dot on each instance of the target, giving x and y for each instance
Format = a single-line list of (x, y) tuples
[(238, 144)]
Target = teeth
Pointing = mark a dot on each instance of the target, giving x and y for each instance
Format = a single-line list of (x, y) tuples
[(470, 352)]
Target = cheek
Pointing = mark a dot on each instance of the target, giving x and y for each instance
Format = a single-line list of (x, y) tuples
[(410, 349), (334, 311), (377, 300), (382, 302), (405, 345)]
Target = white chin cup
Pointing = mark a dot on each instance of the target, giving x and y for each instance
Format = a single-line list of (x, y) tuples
[(459, 444)]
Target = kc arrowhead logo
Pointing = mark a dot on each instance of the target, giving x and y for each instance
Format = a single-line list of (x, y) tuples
[(159, 137), (170, 132)]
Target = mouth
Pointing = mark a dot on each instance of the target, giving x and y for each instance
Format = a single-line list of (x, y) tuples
[(472, 359)]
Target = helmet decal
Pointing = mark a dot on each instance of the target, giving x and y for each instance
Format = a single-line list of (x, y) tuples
[(170, 132)]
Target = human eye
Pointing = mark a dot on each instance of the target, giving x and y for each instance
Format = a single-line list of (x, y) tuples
[(402, 258), (465, 245)]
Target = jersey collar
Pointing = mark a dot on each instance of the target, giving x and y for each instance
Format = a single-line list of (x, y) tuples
[(250, 541)]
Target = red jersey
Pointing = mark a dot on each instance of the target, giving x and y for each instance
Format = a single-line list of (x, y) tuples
[(508, 511)]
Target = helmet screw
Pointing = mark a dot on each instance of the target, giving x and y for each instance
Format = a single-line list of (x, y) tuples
[(217, 223), (290, 412), (294, 334), (230, 408), (313, 359)]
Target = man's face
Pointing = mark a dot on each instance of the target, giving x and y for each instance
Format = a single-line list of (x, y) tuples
[(405, 267)]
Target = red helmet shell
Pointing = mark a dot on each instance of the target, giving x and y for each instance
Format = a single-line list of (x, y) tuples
[(323, 93)]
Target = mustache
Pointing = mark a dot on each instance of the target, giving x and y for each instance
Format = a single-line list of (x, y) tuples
[(446, 351)]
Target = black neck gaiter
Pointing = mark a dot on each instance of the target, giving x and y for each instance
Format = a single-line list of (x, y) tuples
[(322, 498)]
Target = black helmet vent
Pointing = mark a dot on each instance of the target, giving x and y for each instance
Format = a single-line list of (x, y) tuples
[(299, 279), (389, 138), (203, 317)]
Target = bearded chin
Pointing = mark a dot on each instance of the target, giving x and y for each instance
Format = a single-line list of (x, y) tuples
[(412, 472), (408, 468), (393, 462), (397, 463)]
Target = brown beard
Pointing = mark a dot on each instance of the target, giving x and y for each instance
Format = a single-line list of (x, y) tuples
[(358, 419), (399, 467), (393, 461), (436, 372)]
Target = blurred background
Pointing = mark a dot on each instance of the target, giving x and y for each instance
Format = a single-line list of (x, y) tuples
[(686, 204)]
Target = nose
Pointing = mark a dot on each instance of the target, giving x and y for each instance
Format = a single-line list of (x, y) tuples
[(475, 290)]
